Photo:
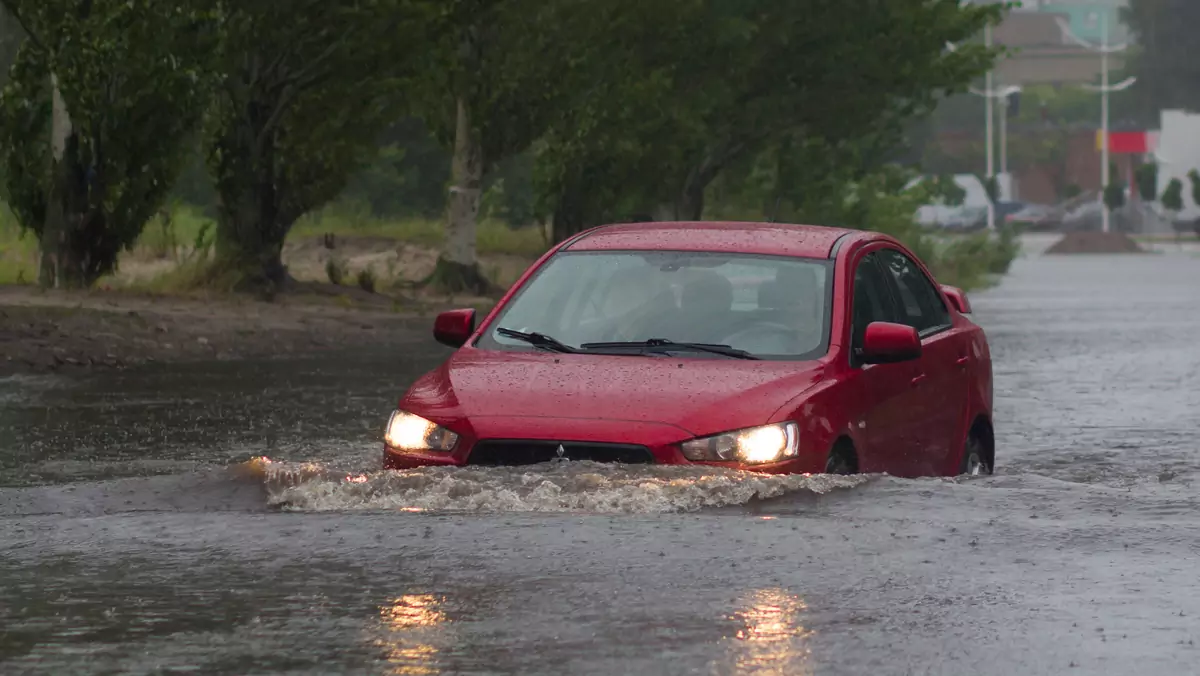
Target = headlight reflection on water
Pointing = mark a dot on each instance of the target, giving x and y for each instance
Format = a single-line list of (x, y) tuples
[(771, 640), (412, 626)]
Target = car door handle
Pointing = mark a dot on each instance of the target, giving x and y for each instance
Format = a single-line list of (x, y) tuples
[(919, 379), (963, 361)]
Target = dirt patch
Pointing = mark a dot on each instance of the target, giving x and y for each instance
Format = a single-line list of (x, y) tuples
[(50, 331), (396, 266), (1095, 243)]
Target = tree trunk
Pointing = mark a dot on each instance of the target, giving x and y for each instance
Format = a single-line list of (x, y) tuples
[(75, 246), (690, 205), (250, 236), (458, 267), (691, 202), (53, 268), (250, 244), (569, 218), (251, 226)]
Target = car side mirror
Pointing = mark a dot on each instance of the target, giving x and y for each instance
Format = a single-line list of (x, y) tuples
[(958, 298), (454, 327), (888, 343)]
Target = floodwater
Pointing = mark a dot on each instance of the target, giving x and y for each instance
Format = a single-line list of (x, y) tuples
[(139, 534)]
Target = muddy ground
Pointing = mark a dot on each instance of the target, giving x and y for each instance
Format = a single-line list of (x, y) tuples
[(57, 331), (117, 325)]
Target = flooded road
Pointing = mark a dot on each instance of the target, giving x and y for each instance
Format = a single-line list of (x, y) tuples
[(139, 536)]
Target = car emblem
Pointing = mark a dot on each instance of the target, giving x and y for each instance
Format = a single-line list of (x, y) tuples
[(560, 451)]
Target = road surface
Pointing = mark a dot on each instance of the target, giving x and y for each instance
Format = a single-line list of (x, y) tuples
[(135, 537)]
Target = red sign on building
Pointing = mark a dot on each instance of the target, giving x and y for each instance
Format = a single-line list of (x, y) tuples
[(1128, 142)]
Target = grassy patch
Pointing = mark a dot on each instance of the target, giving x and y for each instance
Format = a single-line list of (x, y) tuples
[(184, 225), (493, 237), (18, 251), (972, 261)]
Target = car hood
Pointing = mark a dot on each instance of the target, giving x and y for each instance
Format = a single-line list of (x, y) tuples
[(699, 396)]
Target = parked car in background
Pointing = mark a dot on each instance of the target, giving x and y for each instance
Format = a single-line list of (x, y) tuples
[(1087, 217), (1037, 217), (1005, 208)]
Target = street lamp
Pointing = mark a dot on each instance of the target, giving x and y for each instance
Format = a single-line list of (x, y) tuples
[(1105, 89), (990, 94)]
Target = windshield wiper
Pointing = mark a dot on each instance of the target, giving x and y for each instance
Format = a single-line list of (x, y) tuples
[(538, 340), (664, 345)]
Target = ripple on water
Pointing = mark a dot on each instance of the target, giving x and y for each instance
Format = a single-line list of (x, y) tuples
[(553, 487)]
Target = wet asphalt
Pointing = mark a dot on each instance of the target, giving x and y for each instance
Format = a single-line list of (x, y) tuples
[(136, 539)]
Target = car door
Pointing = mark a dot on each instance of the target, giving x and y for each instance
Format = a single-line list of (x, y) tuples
[(937, 406), (881, 391)]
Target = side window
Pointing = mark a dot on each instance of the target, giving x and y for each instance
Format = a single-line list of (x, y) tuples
[(922, 306), (871, 303)]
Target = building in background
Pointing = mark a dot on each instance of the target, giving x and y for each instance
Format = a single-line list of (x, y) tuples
[(1044, 56), (1177, 153)]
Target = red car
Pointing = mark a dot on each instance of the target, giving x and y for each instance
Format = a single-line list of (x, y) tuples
[(758, 346)]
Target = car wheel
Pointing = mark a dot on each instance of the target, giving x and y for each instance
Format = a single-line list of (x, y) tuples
[(974, 460), (841, 461)]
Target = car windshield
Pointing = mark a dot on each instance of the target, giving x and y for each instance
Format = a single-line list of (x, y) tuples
[(772, 307)]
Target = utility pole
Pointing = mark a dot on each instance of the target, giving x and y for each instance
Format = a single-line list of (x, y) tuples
[(989, 94), (990, 107), (1105, 89)]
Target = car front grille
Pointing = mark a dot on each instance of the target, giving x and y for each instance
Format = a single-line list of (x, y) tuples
[(530, 452)]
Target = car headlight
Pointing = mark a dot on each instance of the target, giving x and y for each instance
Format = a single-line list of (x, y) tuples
[(755, 445), (408, 432)]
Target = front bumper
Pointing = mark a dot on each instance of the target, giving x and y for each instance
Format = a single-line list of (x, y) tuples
[(509, 441)]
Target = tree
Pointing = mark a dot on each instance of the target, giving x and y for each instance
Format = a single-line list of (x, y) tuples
[(307, 86), (496, 76), (1146, 176), (834, 69), (1114, 196), (726, 81), (1168, 70), (93, 123), (1172, 197)]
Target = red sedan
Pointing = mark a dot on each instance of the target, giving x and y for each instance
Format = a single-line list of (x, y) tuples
[(758, 346)]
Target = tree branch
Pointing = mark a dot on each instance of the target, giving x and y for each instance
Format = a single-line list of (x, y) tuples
[(281, 105), (10, 7), (311, 73)]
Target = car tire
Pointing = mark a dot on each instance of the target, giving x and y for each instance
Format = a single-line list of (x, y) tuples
[(841, 461), (974, 459)]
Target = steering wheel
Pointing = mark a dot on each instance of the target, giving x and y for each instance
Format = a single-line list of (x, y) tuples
[(755, 331)]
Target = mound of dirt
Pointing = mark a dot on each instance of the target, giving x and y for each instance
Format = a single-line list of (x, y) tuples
[(1095, 243)]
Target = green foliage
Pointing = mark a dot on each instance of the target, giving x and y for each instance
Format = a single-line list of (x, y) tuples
[(692, 89), (509, 196), (335, 271), (1172, 197), (323, 115), (308, 86), (1194, 179), (1114, 195), (366, 279), (1146, 176), (886, 200), (947, 191), (134, 78), (1166, 60), (991, 187), (494, 55), (407, 176)]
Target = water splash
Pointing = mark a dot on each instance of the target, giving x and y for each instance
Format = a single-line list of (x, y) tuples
[(552, 487)]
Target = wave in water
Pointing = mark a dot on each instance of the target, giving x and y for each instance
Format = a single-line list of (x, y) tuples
[(552, 487)]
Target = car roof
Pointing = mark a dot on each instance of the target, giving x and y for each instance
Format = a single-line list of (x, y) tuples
[(780, 239)]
